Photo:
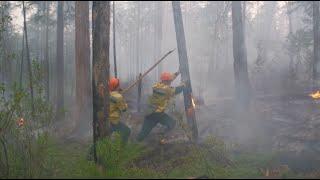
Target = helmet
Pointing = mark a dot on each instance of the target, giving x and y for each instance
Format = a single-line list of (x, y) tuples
[(113, 83), (166, 76)]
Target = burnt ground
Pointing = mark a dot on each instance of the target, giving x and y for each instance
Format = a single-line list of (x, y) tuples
[(287, 125)]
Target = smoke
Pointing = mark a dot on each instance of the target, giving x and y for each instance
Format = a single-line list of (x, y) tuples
[(209, 46), (208, 32)]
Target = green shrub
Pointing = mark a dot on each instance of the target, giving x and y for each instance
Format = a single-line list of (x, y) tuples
[(23, 147)]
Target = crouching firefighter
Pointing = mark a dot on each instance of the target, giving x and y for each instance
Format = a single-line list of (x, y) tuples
[(158, 102), (117, 106)]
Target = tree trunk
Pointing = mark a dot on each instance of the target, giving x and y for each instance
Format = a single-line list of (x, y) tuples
[(22, 61), (242, 84), (244, 6), (37, 44), (42, 28), (28, 56), (316, 40), (291, 65), (100, 64), (130, 58), (47, 53), (114, 40), (138, 40), (266, 29), (60, 59), (82, 59), (158, 34), (184, 68)]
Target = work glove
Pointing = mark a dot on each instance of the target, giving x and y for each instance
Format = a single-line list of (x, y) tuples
[(184, 84), (175, 75)]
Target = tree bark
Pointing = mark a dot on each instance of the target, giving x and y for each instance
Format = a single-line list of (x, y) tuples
[(42, 38), (114, 40), (138, 40), (101, 65), (316, 40), (47, 53), (291, 65), (184, 68), (244, 6), (158, 34), (60, 59), (22, 59), (242, 84), (82, 59), (28, 57)]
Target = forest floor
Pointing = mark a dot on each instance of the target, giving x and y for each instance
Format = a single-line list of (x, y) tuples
[(286, 125), (173, 160), (178, 160), (278, 140)]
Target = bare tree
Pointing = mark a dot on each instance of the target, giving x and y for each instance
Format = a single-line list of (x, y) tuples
[(316, 55), (82, 59), (28, 55), (101, 66), (46, 63), (60, 58), (244, 7), (184, 68), (291, 63), (242, 84), (158, 32), (114, 39), (22, 62), (265, 31), (138, 30)]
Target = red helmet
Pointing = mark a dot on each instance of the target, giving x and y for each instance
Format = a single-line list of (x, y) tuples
[(113, 83), (166, 76)]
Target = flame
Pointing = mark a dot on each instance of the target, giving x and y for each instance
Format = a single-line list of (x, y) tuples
[(191, 108), (20, 122), (193, 104), (315, 95)]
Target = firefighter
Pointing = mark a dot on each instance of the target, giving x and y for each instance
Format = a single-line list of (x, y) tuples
[(117, 106), (158, 103)]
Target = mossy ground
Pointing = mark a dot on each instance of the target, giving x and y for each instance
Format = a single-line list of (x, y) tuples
[(180, 160)]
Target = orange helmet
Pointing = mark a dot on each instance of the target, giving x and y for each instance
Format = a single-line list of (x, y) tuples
[(113, 83), (166, 76)]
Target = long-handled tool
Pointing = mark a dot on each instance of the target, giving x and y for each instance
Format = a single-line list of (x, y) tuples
[(144, 74)]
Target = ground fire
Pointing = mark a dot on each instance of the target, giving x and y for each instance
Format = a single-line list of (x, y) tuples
[(315, 95)]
